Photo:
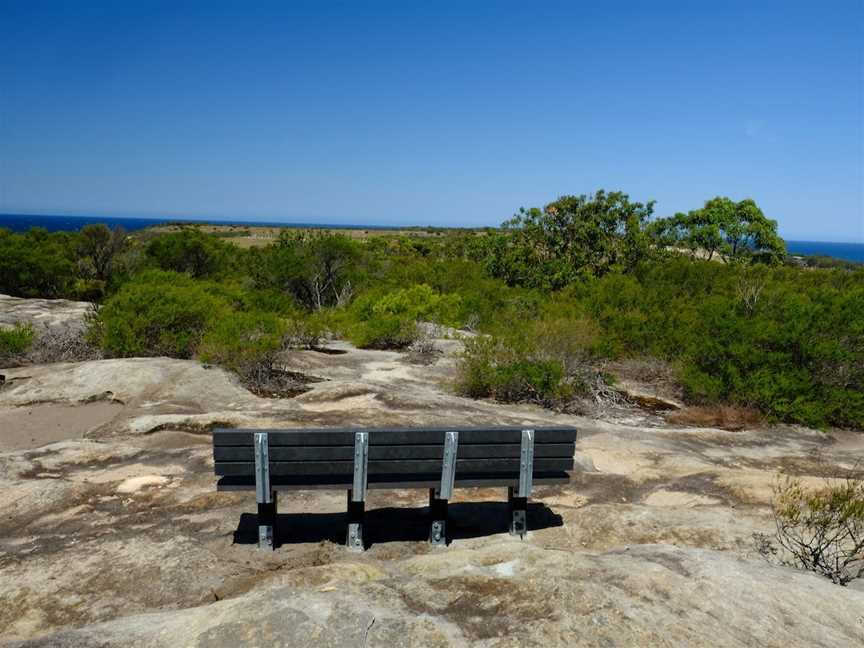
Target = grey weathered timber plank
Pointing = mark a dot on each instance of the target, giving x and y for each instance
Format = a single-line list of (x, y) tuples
[(382, 453), (391, 436), (404, 481), (414, 466)]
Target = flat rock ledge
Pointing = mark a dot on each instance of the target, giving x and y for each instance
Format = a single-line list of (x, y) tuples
[(42, 313), (512, 594)]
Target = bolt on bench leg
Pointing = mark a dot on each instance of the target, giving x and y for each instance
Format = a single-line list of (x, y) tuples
[(356, 513), (266, 522), (438, 516), (518, 514)]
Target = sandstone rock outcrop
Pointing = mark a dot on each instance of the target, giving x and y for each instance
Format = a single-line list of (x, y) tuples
[(111, 532)]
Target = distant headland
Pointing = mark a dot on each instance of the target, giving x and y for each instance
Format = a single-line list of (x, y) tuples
[(22, 222)]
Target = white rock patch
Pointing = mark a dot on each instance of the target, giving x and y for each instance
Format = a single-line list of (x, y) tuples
[(135, 484)]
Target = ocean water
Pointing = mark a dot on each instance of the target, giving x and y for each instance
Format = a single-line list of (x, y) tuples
[(846, 251), (23, 222)]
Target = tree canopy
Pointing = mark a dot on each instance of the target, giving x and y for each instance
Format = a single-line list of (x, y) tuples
[(190, 251), (98, 248), (316, 269), (572, 237), (734, 231)]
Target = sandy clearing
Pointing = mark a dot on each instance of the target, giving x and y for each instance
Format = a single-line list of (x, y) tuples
[(33, 426)]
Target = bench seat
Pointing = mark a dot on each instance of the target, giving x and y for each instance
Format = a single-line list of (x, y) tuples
[(439, 459)]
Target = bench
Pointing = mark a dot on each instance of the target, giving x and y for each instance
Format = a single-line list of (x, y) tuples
[(357, 459)]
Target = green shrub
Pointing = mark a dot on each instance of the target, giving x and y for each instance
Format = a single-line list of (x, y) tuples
[(490, 368), (388, 320), (418, 302), (158, 313), (239, 341), (571, 341), (305, 332), (383, 332), (785, 341), (191, 251), (15, 341), (271, 301), (37, 264)]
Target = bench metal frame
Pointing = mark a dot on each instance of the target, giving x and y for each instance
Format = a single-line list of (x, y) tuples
[(264, 494), (440, 493)]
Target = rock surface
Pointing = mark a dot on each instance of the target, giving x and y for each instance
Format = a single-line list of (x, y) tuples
[(112, 534), (47, 313)]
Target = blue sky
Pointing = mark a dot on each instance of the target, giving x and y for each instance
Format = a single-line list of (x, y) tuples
[(441, 113)]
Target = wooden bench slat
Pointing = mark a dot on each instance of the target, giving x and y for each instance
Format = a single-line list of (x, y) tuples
[(391, 436), (418, 466), (382, 453), (378, 482)]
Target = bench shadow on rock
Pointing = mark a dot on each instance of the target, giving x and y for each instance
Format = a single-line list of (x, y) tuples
[(466, 520)]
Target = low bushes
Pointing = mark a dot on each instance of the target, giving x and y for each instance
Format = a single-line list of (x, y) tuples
[(248, 344), (158, 313), (15, 341), (172, 314), (784, 341), (388, 320), (383, 332), (787, 342), (240, 341), (305, 332), (490, 368), (545, 360), (37, 264), (50, 265), (191, 251)]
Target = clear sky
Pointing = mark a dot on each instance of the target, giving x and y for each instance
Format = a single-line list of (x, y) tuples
[(431, 113)]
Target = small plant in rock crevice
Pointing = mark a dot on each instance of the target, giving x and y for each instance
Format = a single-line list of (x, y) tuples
[(15, 341), (818, 530)]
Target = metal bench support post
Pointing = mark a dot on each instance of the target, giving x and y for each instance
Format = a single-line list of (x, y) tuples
[(518, 503), (264, 494), (439, 497), (357, 494)]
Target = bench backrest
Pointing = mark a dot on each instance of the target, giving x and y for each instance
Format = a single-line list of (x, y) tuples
[(327, 455)]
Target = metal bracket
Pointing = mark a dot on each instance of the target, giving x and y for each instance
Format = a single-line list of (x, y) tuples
[(448, 465), (355, 536), (518, 513), (356, 513), (526, 463), (263, 494), (438, 516), (438, 533), (519, 523), (361, 460)]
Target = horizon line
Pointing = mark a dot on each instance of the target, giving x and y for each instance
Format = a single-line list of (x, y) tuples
[(322, 224)]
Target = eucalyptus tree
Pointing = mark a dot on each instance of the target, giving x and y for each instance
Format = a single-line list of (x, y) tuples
[(732, 231)]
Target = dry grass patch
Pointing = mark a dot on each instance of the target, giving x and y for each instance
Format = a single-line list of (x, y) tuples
[(726, 417)]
